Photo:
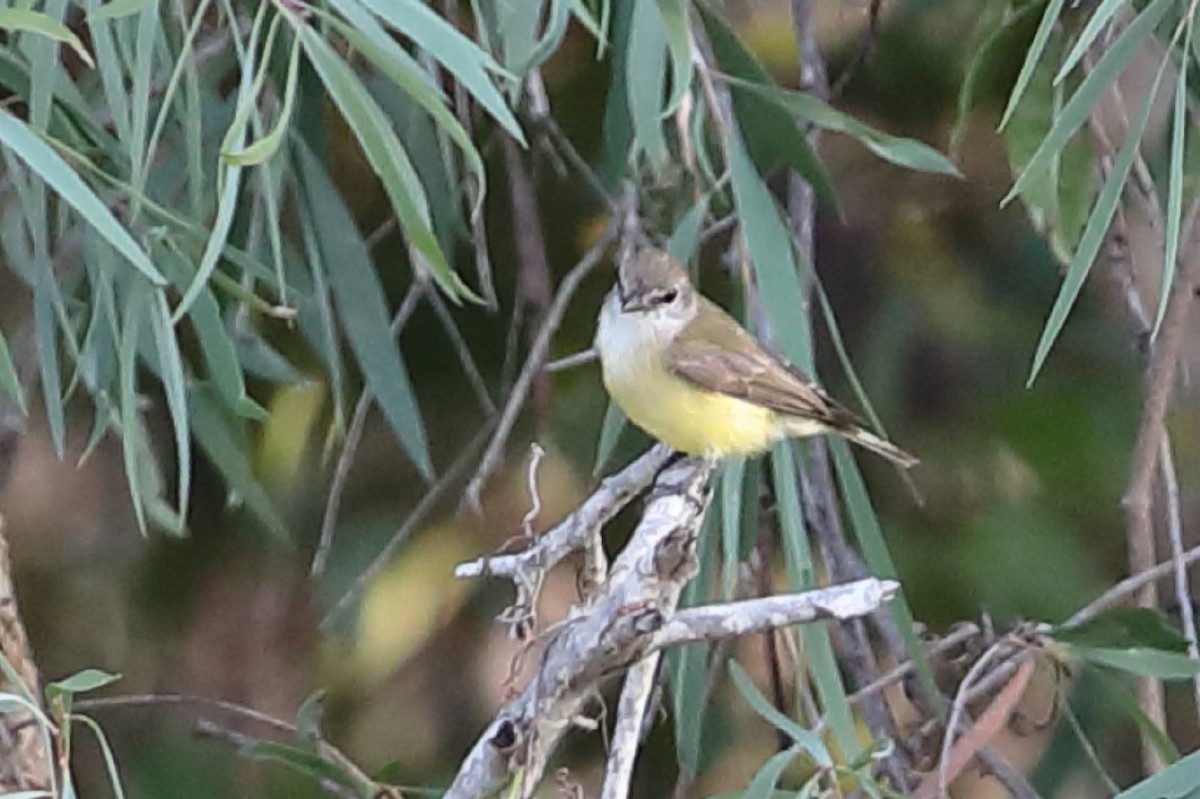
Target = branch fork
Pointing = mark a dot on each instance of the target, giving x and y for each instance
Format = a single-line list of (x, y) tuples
[(626, 624)]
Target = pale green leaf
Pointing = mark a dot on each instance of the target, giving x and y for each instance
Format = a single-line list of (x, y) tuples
[(361, 306), (1033, 57), (645, 65), (806, 739), (50, 167), (1094, 232), (1154, 663), (1175, 179), (1098, 81), (9, 382), (1103, 14), (386, 155), (762, 785), (23, 20), (461, 57)]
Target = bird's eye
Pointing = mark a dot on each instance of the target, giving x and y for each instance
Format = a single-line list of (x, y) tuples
[(668, 296)]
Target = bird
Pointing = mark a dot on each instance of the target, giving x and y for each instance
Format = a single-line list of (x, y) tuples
[(691, 376)]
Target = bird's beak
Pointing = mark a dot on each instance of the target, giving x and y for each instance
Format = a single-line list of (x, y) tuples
[(633, 303)]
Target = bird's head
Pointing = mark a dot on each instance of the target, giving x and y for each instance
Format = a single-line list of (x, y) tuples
[(653, 283)]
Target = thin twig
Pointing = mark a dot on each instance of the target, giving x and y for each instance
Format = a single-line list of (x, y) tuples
[(571, 361), (478, 384), (324, 748), (533, 365), (1131, 585), (341, 470), (1183, 593), (428, 502), (1158, 382)]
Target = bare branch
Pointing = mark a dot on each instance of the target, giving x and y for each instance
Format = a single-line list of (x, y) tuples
[(573, 533), (533, 364), (627, 734)]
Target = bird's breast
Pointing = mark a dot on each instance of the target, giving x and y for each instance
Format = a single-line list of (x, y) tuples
[(676, 412)]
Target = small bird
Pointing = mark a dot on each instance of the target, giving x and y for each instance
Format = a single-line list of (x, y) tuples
[(687, 373)]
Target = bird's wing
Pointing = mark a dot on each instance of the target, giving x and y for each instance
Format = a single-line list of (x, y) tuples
[(739, 367)]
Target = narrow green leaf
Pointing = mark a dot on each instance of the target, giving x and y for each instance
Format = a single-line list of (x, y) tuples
[(1180, 780), (10, 384), (673, 15), (386, 155), (110, 760), (1032, 57), (1148, 662), (301, 760), (112, 72), (131, 423), (366, 36), (116, 9), (47, 356), (821, 662), (868, 532), (265, 147), (170, 364), (48, 165), (461, 57), (903, 152), (770, 247), (685, 239), (35, 794), (688, 665), (992, 31), (1100, 17), (217, 344), (81, 682), (773, 137), (806, 739), (1124, 628), (1032, 119), (617, 126), (1094, 232), (1175, 178), (23, 20), (141, 149), (730, 480), (1098, 81), (360, 303), (610, 433), (762, 785), (645, 65), (217, 436)]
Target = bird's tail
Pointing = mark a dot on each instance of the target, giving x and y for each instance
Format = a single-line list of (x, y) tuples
[(880, 447)]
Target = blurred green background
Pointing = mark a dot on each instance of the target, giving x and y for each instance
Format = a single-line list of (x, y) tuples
[(940, 295)]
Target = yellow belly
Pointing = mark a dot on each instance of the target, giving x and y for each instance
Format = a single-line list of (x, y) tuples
[(690, 419)]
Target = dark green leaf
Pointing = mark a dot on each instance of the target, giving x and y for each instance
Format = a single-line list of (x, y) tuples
[(610, 434), (170, 364), (385, 154), (900, 151), (688, 665), (217, 436), (300, 760), (363, 311), (730, 478), (1180, 780), (1175, 178), (806, 739), (771, 253), (1147, 662), (1033, 57), (773, 137), (1124, 628)]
